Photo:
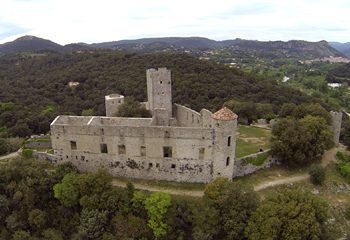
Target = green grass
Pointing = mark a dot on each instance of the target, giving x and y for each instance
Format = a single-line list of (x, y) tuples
[(251, 131), (270, 174), (38, 140), (250, 139), (257, 161), (165, 184)]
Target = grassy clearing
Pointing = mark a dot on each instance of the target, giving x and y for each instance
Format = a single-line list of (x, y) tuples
[(335, 190), (270, 174), (31, 140), (164, 184), (250, 139), (257, 161)]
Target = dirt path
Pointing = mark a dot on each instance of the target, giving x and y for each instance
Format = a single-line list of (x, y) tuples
[(191, 193), (328, 157), (282, 181), (11, 155)]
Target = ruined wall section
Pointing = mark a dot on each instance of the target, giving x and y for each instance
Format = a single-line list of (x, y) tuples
[(187, 117), (336, 125), (143, 156), (242, 168), (112, 102)]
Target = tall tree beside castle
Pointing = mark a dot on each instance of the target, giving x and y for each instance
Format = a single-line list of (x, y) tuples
[(302, 137)]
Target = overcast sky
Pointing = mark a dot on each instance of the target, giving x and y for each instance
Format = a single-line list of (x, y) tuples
[(68, 21)]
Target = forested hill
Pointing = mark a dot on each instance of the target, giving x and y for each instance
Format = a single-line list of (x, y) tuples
[(34, 88), (197, 46), (293, 48), (340, 74)]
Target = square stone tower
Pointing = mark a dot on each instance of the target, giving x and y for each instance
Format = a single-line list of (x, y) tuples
[(159, 90)]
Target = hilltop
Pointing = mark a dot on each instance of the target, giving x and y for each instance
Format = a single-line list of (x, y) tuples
[(341, 47), (35, 44), (197, 46)]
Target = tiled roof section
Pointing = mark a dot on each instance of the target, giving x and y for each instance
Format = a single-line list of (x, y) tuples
[(224, 114)]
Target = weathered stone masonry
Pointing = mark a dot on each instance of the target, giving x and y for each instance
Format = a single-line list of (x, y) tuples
[(176, 144)]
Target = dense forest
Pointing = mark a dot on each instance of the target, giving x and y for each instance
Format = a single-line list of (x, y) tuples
[(34, 88), (340, 74), (46, 202)]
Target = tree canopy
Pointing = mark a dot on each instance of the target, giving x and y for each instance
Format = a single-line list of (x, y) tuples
[(299, 142), (41, 201), (35, 88), (291, 214)]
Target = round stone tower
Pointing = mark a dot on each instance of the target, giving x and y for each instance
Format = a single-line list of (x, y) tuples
[(225, 126), (112, 103)]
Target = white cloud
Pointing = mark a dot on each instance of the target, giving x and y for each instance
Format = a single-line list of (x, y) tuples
[(66, 21)]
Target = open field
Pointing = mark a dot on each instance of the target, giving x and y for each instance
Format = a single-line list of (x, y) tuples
[(250, 139)]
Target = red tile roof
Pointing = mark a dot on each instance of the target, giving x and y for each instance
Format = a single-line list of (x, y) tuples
[(224, 114)]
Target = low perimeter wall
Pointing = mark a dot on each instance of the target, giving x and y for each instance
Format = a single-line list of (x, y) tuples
[(243, 168), (45, 156)]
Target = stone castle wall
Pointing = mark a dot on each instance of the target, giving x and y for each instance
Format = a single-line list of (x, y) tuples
[(186, 164), (181, 145), (242, 168), (112, 102), (159, 90), (336, 125), (187, 117)]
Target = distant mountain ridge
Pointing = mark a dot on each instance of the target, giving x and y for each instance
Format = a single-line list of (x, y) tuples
[(35, 44), (341, 47), (296, 48), (315, 49)]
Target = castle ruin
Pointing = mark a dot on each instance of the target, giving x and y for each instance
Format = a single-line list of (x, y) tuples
[(176, 144), (336, 125)]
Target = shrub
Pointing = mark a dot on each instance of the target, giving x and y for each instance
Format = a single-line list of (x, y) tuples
[(317, 174), (347, 211), (342, 157), (3, 146), (27, 153), (344, 169), (15, 143)]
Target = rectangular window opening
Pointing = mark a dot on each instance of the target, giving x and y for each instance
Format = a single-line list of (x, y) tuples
[(150, 165), (167, 152), (227, 161), (229, 141), (73, 145), (121, 149), (201, 153), (173, 166), (143, 151), (103, 148)]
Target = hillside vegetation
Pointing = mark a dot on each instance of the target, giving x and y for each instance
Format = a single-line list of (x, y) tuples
[(198, 46), (34, 88), (340, 74), (42, 201)]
